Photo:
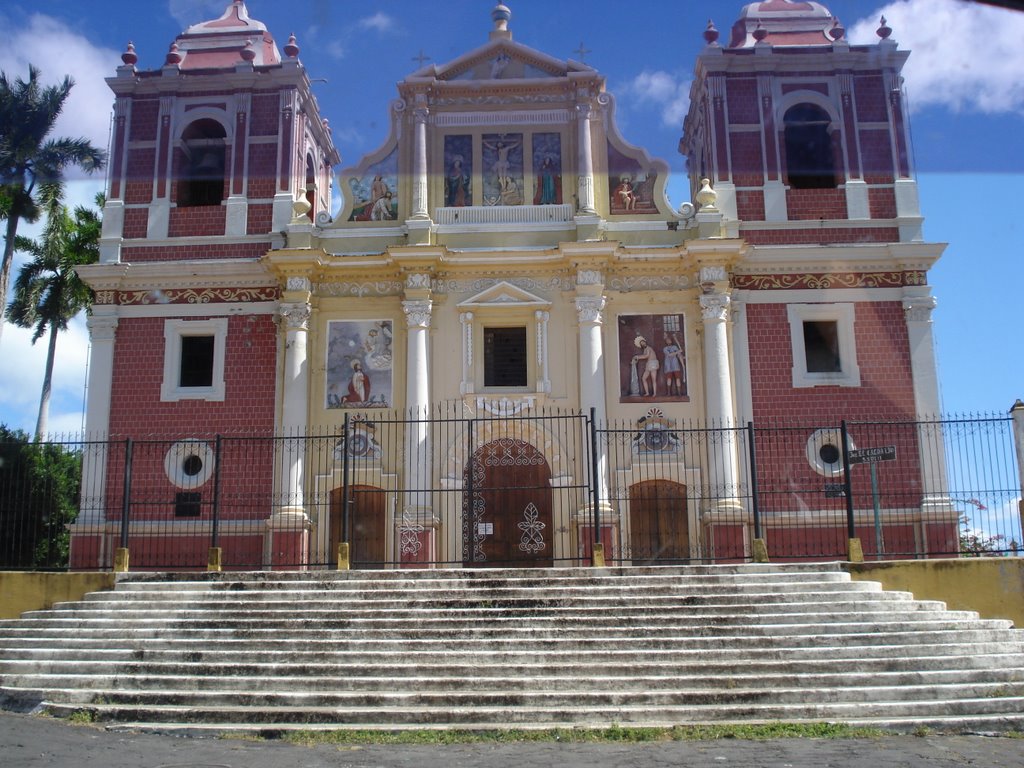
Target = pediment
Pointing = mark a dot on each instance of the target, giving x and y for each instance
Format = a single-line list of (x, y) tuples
[(504, 295), (501, 60)]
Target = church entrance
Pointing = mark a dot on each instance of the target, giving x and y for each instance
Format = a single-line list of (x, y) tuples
[(367, 528), (506, 507), (659, 528)]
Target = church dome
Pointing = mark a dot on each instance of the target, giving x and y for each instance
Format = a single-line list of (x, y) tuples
[(783, 22), (223, 42)]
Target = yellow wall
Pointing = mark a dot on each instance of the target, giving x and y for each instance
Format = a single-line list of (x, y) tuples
[(992, 586), (20, 592)]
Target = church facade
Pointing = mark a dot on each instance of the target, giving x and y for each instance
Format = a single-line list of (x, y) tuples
[(505, 255)]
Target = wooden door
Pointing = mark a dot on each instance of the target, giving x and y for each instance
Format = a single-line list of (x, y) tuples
[(659, 524), (507, 507), (367, 525)]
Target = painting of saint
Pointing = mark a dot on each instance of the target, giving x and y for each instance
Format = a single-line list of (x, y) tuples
[(359, 364), (652, 359), (375, 193), (503, 168), (547, 168), (458, 164), (630, 185)]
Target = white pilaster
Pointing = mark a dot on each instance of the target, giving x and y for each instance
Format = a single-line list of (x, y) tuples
[(589, 308), (419, 164), (295, 406), (544, 382), (724, 480), (468, 386), (417, 397), (586, 159), (102, 334)]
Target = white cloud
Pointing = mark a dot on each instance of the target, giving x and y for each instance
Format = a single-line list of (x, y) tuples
[(379, 21), (964, 55), (336, 50), (189, 12), (670, 94), (21, 383)]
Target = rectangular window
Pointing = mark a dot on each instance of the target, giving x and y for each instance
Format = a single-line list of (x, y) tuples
[(821, 346), (188, 504), (505, 357), (196, 361)]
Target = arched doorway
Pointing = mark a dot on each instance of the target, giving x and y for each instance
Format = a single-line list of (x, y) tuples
[(659, 529), (367, 528), (506, 507)]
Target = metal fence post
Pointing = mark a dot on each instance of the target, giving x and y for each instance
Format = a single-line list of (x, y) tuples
[(594, 480), (759, 548), (855, 552), (344, 480), (1017, 412), (121, 556), (213, 560)]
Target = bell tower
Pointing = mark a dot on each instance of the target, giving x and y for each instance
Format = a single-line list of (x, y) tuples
[(793, 124)]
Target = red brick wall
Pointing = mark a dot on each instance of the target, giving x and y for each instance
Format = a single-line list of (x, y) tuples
[(266, 114), (747, 159), (818, 236), (262, 171), (250, 366), (877, 156), (805, 204), (145, 118), (140, 172), (136, 220), (883, 355), (260, 219), (882, 202), (750, 204), (869, 90), (197, 221), (741, 96), (139, 254)]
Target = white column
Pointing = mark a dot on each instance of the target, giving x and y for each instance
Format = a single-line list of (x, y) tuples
[(917, 308), (102, 333), (419, 165), (592, 389), (586, 159), (1017, 413), (542, 317), (417, 397), (468, 386), (722, 473), (295, 405)]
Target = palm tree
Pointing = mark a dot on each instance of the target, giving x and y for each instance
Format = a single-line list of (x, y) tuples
[(48, 291), (31, 165)]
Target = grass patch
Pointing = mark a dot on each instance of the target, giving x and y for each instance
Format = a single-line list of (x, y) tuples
[(82, 717), (613, 734)]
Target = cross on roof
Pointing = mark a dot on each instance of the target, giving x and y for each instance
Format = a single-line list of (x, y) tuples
[(583, 51), (421, 58)]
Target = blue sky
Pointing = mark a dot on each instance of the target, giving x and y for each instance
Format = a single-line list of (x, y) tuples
[(963, 82)]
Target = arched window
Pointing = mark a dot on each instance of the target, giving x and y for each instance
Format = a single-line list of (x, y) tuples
[(311, 187), (810, 161), (203, 163)]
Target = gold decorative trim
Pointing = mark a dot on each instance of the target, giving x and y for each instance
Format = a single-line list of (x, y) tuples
[(829, 280), (194, 296)]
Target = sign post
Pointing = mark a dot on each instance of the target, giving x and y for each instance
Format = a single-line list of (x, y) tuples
[(872, 457)]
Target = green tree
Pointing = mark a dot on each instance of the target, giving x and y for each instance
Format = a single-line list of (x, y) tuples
[(39, 489), (48, 292), (32, 165)]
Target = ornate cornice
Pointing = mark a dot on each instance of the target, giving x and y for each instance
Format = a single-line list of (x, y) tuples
[(188, 296), (819, 280)]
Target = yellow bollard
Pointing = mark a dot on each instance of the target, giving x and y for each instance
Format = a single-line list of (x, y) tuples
[(213, 559), (121, 560), (856, 551), (597, 560), (344, 557), (760, 551)]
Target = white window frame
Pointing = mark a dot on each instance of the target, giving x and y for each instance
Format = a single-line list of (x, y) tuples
[(843, 316), (174, 332)]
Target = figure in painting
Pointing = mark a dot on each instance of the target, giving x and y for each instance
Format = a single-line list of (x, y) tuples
[(675, 366), (381, 210), (624, 194), (649, 359), (456, 185), (547, 183), (378, 188), (502, 166), (358, 386), (378, 347)]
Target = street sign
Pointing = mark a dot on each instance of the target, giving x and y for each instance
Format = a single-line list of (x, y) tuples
[(873, 455), (835, 490)]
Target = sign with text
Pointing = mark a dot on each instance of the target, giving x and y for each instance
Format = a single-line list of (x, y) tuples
[(873, 455)]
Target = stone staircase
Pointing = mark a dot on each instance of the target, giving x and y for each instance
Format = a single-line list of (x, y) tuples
[(513, 649)]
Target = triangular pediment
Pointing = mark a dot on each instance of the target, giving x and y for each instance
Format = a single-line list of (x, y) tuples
[(504, 295), (501, 60)]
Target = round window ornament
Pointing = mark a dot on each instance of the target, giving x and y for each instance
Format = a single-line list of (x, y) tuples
[(189, 463), (825, 452)]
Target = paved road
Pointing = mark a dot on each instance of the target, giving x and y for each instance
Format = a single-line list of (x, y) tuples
[(35, 742)]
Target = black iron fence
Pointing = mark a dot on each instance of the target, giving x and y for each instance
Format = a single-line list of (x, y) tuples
[(503, 487)]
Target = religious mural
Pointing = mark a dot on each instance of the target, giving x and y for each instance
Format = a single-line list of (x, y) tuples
[(359, 364), (652, 359), (547, 168), (503, 168), (630, 185), (375, 194), (458, 164)]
